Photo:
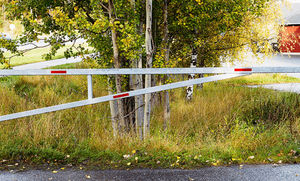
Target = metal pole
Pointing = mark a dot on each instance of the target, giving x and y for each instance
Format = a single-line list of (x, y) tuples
[(139, 71), (90, 86)]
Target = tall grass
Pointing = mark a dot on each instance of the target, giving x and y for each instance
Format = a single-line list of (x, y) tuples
[(223, 124)]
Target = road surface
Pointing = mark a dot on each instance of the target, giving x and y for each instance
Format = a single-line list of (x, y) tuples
[(46, 64), (287, 60), (232, 173)]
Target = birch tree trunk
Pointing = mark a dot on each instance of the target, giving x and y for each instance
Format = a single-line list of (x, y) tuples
[(139, 114), (138, 84), (167, 113), (166, 57), (113, 111), (130, 104), (149, 52), (189, 89), (201, 63), (117, 64)]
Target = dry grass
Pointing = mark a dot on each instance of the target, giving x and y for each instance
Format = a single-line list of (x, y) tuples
[(209, 130)]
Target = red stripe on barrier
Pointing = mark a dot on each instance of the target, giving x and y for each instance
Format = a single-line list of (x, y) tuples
[(243, 69), (58, 72), (121, 95)]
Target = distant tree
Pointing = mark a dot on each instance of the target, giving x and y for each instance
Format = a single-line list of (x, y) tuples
[(214, 29)]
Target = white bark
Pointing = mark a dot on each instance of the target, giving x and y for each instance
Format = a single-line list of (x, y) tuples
[(139, 114), (138, 84), (166, 57), (114, 112), (149, 50), (167, 113), (189, 89), (117, 64)]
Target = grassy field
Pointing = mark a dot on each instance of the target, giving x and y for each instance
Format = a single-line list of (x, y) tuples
[(33, 56), (36, 55), (226, 123)]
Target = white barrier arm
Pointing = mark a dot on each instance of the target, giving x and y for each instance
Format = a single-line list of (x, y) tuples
[(205, 70), (117, 96)]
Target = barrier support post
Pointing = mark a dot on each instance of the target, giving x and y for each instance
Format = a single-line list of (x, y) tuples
[(90, 86)]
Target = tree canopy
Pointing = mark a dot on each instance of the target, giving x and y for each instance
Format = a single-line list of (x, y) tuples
[(116, 29), (215, 27)]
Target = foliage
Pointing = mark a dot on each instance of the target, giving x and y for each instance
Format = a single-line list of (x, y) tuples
[(68, 21), (217, 28), (222, 28)]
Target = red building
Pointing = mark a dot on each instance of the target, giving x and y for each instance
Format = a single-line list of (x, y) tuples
[(289, 41)]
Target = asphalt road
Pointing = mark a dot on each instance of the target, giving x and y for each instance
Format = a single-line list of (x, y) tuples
[(232, 173)]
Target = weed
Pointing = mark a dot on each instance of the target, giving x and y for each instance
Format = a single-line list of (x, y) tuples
[(224, 124)]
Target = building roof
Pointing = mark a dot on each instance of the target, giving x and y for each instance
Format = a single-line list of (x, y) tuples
[(293, 20)]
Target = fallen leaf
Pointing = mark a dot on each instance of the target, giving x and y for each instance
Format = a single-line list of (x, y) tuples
[(270, 160), (87, 176), (214, 164), (191, 179), (54, 171), (275, 165), (251, 157), (126, 156)]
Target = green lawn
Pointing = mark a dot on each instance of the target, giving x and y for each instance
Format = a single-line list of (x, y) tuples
[(36, 56), (256, 79)]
